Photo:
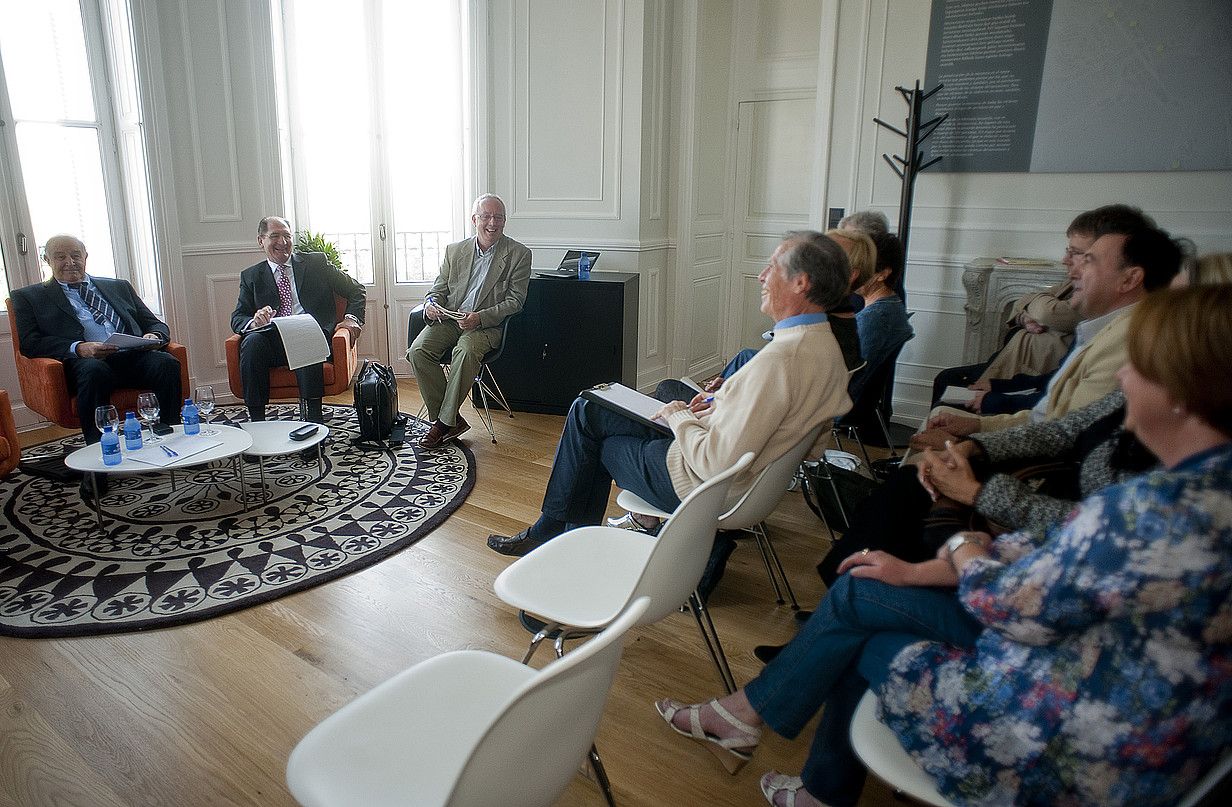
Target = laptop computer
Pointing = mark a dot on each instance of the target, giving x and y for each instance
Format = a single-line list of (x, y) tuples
[(568, 265)]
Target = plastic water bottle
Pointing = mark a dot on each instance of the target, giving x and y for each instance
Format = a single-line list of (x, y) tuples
[(111, 446), (191, 417), (132, 432), (584, 267)]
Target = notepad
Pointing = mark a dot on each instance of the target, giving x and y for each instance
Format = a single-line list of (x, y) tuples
[(628, 402)]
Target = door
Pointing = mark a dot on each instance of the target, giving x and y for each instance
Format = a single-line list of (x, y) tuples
[(379, 169)]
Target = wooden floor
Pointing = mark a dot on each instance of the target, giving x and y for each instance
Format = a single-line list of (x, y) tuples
[(206, 714)]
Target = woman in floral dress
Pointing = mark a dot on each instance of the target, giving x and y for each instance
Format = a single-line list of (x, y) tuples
[(1089, 662)]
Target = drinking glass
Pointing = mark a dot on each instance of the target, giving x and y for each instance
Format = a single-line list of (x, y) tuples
[(205, 405), (105, 416), (147, 411)]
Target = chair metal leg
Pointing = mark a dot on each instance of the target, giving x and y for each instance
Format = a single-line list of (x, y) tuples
[(763, 535), (496, 392), (596, 765), (711, 638), (543, 633), (485, 414), (765, 559), (885, 432)]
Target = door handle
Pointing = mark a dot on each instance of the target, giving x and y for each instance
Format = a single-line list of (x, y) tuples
[(382, 232), (22, 249)]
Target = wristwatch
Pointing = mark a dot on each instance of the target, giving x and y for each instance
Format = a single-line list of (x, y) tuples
[(960, 539)]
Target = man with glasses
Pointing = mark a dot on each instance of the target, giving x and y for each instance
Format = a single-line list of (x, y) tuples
[(283, 284), (1129, 258), (483, 280)]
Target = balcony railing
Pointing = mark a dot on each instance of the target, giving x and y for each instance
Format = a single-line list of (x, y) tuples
[(417, 255)]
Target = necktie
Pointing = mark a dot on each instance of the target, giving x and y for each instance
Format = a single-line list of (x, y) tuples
[(100, 309), (284, 291)]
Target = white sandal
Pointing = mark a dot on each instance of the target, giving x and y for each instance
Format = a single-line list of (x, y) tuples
[(733, 752), (774, 783)]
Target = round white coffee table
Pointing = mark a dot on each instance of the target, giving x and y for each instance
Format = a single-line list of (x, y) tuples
[(271, 438), (228, 442)]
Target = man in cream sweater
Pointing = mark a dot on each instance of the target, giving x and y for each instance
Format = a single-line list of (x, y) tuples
[(794, 384)]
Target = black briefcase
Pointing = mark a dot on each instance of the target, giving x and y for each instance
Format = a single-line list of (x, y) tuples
[(376, 404)]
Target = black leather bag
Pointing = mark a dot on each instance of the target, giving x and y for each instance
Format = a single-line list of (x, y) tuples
[(376, 403), (833, 492)]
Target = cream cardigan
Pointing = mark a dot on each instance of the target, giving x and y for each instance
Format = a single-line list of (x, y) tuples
[(793, 384)]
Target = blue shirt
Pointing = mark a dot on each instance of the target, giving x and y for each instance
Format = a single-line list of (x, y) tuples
[(94, 331), (800, 319)]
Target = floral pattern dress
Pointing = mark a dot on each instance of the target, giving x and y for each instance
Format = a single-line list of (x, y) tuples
[(1105, 673)]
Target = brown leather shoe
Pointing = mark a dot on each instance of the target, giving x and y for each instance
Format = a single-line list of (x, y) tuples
[(437, 434), (460, 428)]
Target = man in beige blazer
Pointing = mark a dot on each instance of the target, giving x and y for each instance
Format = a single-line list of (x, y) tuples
[(1123, 265), (483, 280)]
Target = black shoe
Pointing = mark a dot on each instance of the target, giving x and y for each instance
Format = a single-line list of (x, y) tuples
[(803, 616), (515, 545), (310, 410), (87, 488), (767, 653)]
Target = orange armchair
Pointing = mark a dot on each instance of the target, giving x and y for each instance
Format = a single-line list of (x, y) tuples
[(338, 373), (10, 449), (44, 389)]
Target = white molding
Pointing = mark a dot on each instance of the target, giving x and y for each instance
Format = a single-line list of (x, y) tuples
[(224, 66), (219, 317), (222, 248), (660, 121)]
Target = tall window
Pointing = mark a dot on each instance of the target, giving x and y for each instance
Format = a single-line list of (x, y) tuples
[(74, 159), (374, 116)]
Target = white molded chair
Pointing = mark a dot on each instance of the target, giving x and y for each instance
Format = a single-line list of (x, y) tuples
[(880, 751), (751, 511), (467, 727), (579, 581)]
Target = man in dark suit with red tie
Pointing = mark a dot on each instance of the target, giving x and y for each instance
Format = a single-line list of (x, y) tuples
[(70, 316), (282, 285)]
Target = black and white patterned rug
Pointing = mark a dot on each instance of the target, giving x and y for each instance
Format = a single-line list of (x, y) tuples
[(169, 556)]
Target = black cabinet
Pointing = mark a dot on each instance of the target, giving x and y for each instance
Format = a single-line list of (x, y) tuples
[(570, 335)]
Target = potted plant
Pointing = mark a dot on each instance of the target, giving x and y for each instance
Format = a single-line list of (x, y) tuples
[(308, 241)]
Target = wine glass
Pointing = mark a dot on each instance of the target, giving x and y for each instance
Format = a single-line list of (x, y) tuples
[(147, 411), (205, 405), (105, 416)]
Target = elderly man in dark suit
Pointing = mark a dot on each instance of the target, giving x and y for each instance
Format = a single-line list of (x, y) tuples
[(282, 285), (70, 317), (485, 279)]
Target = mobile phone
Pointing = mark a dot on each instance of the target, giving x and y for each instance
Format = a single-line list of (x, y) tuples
[(304, 432), (162, 428)]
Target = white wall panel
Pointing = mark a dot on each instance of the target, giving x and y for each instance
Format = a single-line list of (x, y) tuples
[(568, 76), (204, 38)]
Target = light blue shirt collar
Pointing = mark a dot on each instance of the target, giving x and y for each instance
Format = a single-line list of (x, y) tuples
[(800, 319)]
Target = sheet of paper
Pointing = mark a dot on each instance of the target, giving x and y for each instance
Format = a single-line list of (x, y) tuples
[(184, 445), (303, 339), (958, 396), (691, 384), (126, 342)]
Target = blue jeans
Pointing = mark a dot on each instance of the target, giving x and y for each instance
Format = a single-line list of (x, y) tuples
[(845, 648), (739, 360), (596, 447)]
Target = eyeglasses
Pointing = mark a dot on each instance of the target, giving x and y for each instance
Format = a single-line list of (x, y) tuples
[(496, 217)]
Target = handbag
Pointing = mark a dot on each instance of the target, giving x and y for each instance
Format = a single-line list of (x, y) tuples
[(832, 492), (376, 403)]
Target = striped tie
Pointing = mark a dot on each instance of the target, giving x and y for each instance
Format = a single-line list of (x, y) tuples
[(100, 309)]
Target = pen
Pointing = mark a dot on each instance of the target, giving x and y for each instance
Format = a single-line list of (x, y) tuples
[(168, 452), (709, 399)]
